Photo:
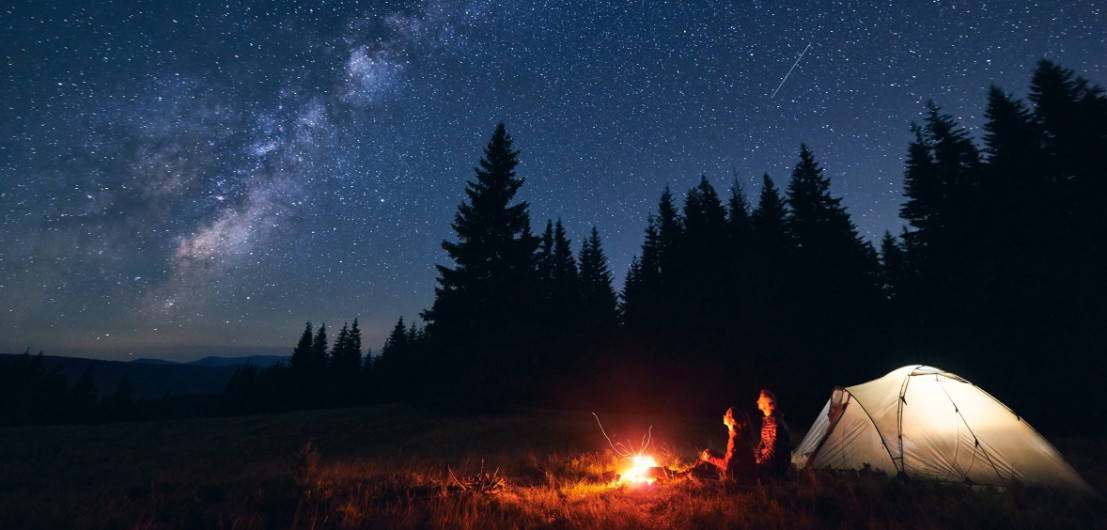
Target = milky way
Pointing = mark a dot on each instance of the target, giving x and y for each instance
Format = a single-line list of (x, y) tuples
[(182, 178)]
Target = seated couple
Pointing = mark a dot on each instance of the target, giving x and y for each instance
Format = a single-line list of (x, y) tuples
[(770, 459)]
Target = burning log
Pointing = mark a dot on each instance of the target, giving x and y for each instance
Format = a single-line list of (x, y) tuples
[(643, 468)]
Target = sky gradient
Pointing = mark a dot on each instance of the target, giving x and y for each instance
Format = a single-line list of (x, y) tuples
[(179, 179)]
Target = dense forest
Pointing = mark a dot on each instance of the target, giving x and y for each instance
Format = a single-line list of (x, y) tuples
[(997, 276)]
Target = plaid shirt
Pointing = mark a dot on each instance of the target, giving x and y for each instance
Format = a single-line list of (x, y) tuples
[(773, 448)]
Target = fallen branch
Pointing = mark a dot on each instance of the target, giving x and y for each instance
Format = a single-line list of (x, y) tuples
[(481, 482)]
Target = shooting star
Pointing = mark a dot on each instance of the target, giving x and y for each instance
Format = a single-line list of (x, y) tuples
[(790, 70)]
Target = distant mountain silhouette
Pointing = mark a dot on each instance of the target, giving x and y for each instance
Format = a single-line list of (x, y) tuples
[(261, 361), (154, 378)]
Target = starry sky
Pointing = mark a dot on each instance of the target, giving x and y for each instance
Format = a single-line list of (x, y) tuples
[(179, 179)]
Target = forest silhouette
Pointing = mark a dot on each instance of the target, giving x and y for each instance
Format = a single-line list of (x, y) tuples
[(997, 275)]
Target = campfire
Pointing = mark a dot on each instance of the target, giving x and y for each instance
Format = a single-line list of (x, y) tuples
[(643, 468)]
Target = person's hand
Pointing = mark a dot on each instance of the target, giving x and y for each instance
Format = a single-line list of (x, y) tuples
[(728, 419)]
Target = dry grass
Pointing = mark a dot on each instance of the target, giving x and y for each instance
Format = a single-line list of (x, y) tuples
[(405, 467)]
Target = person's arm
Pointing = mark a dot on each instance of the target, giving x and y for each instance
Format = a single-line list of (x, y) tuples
[(723, 461)]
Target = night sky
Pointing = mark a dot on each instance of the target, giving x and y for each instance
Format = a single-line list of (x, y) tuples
[(179, 179)]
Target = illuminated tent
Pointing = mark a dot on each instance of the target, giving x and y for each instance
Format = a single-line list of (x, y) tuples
[(924, 422)]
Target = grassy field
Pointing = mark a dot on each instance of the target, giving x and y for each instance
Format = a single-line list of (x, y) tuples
[(425, 467)]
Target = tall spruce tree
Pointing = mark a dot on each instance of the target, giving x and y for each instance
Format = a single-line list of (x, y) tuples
[(598, 296), (345, 367), (485, 307), (701, 269), (771, 236), (640, 301), (649, 290), (738, 288), (557, 271), (319, 349), (739, 221), (395, 371), (305, 358), (560, 315), (943, 184), (1071, 114), (835, 268), (772, 293)]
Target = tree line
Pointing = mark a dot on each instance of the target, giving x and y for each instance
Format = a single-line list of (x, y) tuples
[(33, 394), (997, 274)]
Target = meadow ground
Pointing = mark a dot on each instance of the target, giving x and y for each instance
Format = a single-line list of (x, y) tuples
[(424, 466)]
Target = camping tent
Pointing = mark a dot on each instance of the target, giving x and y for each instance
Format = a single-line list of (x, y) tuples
[(924, 422)]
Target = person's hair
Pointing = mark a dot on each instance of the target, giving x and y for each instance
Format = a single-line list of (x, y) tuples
[(769, 394)]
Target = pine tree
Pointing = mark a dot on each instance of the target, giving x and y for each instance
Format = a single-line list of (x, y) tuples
[(771, 294), (736, 288), (338, 350), (558, 335), (345, 367), (599, 301), (633, 296), (353, 344), (319, 346), (771, 236), (396, 343), (1071, 114), (648, 288), (701, 269), (670, 227), (302, 359), (485, 308), (308, 368), (558, 273), (835, 269), (739, 221), (944, 187), (395, 366)]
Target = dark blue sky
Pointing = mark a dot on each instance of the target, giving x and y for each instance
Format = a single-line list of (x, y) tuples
[(183, 178)]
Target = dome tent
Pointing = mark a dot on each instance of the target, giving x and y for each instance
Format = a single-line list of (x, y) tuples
[(924, 422)]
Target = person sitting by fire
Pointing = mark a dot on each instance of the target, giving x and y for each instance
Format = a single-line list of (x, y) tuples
[(737, 463), (773, 454), (769, 460)]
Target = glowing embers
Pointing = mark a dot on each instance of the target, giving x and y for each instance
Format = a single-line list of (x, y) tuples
[(643, 470)]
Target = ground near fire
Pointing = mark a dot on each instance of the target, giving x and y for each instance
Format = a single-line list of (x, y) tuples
[(431, 466)]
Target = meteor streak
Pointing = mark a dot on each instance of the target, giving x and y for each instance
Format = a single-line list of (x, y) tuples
[(790, 70)]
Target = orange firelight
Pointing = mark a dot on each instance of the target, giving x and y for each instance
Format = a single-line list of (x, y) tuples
[(639, 472)]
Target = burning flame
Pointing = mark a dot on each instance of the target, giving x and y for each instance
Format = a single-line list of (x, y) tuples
[(641, 465), (639, 472)]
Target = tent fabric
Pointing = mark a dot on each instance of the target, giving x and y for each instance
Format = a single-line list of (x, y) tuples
[(924, 422)]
